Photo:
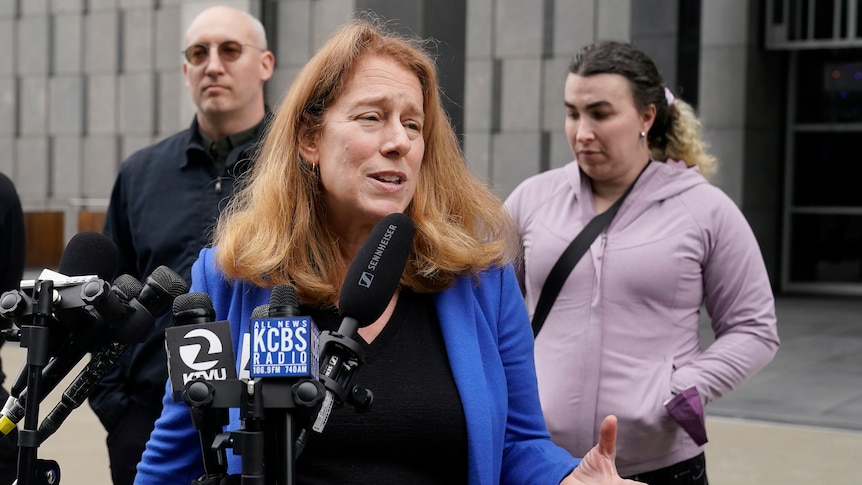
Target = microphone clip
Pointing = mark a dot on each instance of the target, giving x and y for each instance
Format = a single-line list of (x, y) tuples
[(341, 357)]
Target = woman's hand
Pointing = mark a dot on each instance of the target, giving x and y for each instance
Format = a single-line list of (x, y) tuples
[(598, 467)]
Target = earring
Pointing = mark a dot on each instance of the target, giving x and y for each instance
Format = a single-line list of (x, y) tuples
[(643, 134)]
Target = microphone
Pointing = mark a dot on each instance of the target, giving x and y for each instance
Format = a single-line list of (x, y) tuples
[(283, 302), (197, 309), (284, 357), (375, 272), (125, 288), (197, 346), (87, 255), (371, 280), (113, 302), (155, 298), (260, 311)]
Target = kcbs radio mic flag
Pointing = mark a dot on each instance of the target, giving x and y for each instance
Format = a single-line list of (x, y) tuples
[(196, 346), (282, 344)]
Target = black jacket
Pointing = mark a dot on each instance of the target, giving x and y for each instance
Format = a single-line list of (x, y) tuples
[(163, 208), (12, 243)]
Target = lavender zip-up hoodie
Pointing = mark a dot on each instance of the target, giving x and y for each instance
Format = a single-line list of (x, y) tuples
[(622, 337)]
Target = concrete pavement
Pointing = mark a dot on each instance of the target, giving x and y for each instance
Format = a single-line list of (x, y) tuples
[(749, 452)]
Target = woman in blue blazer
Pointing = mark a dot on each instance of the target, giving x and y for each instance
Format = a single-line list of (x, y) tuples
[(362, 134)]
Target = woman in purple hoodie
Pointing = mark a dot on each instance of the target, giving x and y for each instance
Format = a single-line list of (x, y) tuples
[(622, 335)]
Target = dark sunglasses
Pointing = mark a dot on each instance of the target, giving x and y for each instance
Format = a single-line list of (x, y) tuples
[(228, 51)]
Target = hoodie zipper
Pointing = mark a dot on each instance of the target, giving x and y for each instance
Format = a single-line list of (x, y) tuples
[(599, 264)]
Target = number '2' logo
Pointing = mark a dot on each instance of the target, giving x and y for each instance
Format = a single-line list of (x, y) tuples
[(204, 344)]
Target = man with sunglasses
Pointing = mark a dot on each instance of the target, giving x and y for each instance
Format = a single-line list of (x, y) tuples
[(165, 201)]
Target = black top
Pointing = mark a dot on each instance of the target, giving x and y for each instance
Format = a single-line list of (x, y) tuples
[(415, 431), (220, 150)]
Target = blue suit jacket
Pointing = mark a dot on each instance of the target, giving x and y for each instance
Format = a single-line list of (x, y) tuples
[(490, 346)]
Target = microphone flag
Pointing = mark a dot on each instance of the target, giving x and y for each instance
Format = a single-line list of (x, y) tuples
[(284, 347), (200, 350)]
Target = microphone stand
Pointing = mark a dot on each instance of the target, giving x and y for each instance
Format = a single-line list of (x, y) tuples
[(198, 395), (281, 436), (270, 414), (251, 435), (267, 449), (35, 338)]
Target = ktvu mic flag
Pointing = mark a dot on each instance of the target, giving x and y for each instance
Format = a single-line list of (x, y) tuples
[(284, 347), (199, 351)]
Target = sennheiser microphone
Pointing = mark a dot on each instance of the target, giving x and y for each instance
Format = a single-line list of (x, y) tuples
[(197, 346), (155, 298), (375, 272), (371, 280)]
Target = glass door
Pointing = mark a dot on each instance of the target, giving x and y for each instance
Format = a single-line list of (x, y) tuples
[(823, 183)]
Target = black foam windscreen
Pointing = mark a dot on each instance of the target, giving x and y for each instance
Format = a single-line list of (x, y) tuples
[(89, 253), (376, 270)]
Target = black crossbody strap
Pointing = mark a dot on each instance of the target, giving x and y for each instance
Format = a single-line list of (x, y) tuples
[(570, 257)]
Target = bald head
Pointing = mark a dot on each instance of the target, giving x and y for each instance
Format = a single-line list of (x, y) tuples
[(227, 64), (250, 26)]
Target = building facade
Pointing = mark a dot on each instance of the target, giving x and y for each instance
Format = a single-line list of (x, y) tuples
[(87, 82)]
